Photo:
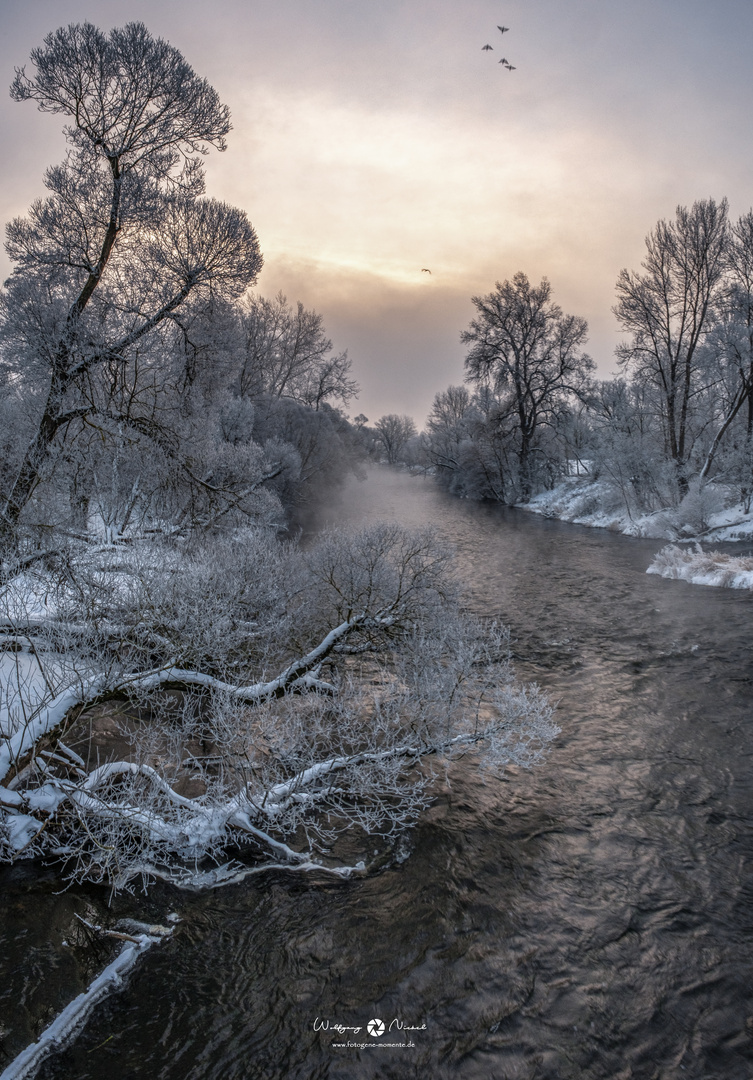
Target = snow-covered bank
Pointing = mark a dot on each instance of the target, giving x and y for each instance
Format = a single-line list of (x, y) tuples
[(704, 567), (584, 501)]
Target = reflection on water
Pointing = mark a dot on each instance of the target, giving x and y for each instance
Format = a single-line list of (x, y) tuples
[(589, 920)]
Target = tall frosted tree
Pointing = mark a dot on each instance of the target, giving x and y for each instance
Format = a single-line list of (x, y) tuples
[(528, 351), (124, 238), (394, 432), (668, 311), (732, 345)]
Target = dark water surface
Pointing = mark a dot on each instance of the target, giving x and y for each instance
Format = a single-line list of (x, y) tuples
[(592, 919)]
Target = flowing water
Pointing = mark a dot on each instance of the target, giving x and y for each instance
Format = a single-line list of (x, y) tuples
[(590, 919)]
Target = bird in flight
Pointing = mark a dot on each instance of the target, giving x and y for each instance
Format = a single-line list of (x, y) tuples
[(508, 66), (502, 29), (424, 270), (485, 48)]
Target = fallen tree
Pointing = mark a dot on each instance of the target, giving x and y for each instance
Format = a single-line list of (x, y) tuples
[(275, 703)]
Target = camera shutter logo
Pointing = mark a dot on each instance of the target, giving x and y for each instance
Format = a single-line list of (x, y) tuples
[(375, 1028)]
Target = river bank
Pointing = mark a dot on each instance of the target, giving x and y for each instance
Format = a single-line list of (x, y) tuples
[(581, 501), (709, 517)]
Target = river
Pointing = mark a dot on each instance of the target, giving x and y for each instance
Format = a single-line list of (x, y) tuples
[(590, 919)]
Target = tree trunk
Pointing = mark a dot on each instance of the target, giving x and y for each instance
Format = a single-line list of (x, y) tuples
[(29, 473)]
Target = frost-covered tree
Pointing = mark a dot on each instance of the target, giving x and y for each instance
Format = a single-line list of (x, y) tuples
[(446, 429), (626, 445), (286, 353), (124, 240), (731, 342), (394, 433), (530, 355), (469, 442), (317, 446), (668, 311)]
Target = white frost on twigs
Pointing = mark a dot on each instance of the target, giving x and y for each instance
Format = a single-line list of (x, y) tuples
[(250, 695)]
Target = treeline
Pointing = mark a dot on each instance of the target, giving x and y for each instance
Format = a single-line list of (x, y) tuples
[(144, 385), (679, 414)]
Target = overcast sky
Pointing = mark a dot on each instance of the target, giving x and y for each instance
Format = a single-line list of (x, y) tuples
[(375, 137)]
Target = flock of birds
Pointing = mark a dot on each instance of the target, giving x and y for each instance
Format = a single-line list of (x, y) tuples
[(510, 67), (504, 60)]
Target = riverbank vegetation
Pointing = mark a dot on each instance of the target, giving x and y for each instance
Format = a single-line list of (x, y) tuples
[(704, 567), (267, 697)]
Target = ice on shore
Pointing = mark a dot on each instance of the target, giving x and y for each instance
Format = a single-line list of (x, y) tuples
[(704, 567)]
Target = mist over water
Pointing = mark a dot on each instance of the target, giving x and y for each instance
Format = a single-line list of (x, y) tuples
[(589, 919)]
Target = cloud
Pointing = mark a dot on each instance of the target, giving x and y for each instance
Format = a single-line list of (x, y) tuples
[(371, 140), (352, 200)]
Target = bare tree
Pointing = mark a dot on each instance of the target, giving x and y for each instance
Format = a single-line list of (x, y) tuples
[(471, 442), (626, 445), (125, 237), (731, 342), (523, 346), (287, 354), (395, 432), (668, 310), (447, 427)]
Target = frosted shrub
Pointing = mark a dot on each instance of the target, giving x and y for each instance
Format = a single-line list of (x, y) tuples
[(274, 699), (700, 503)]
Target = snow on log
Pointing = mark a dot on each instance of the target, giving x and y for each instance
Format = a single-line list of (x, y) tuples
[(64, 1028), (13, 748), (297, 675)]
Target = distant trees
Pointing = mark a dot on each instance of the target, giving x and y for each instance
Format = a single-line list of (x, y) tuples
[(468, 444), (447, 428), (123, 241), (527, 366), (394, 433), (285, 370), (524, 349), (680, 415)]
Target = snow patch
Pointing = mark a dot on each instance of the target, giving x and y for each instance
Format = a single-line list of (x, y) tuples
[(704, 567), (21, 830), (595, 503)]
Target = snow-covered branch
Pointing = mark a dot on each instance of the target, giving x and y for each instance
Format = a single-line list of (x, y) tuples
[(273, 768)]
